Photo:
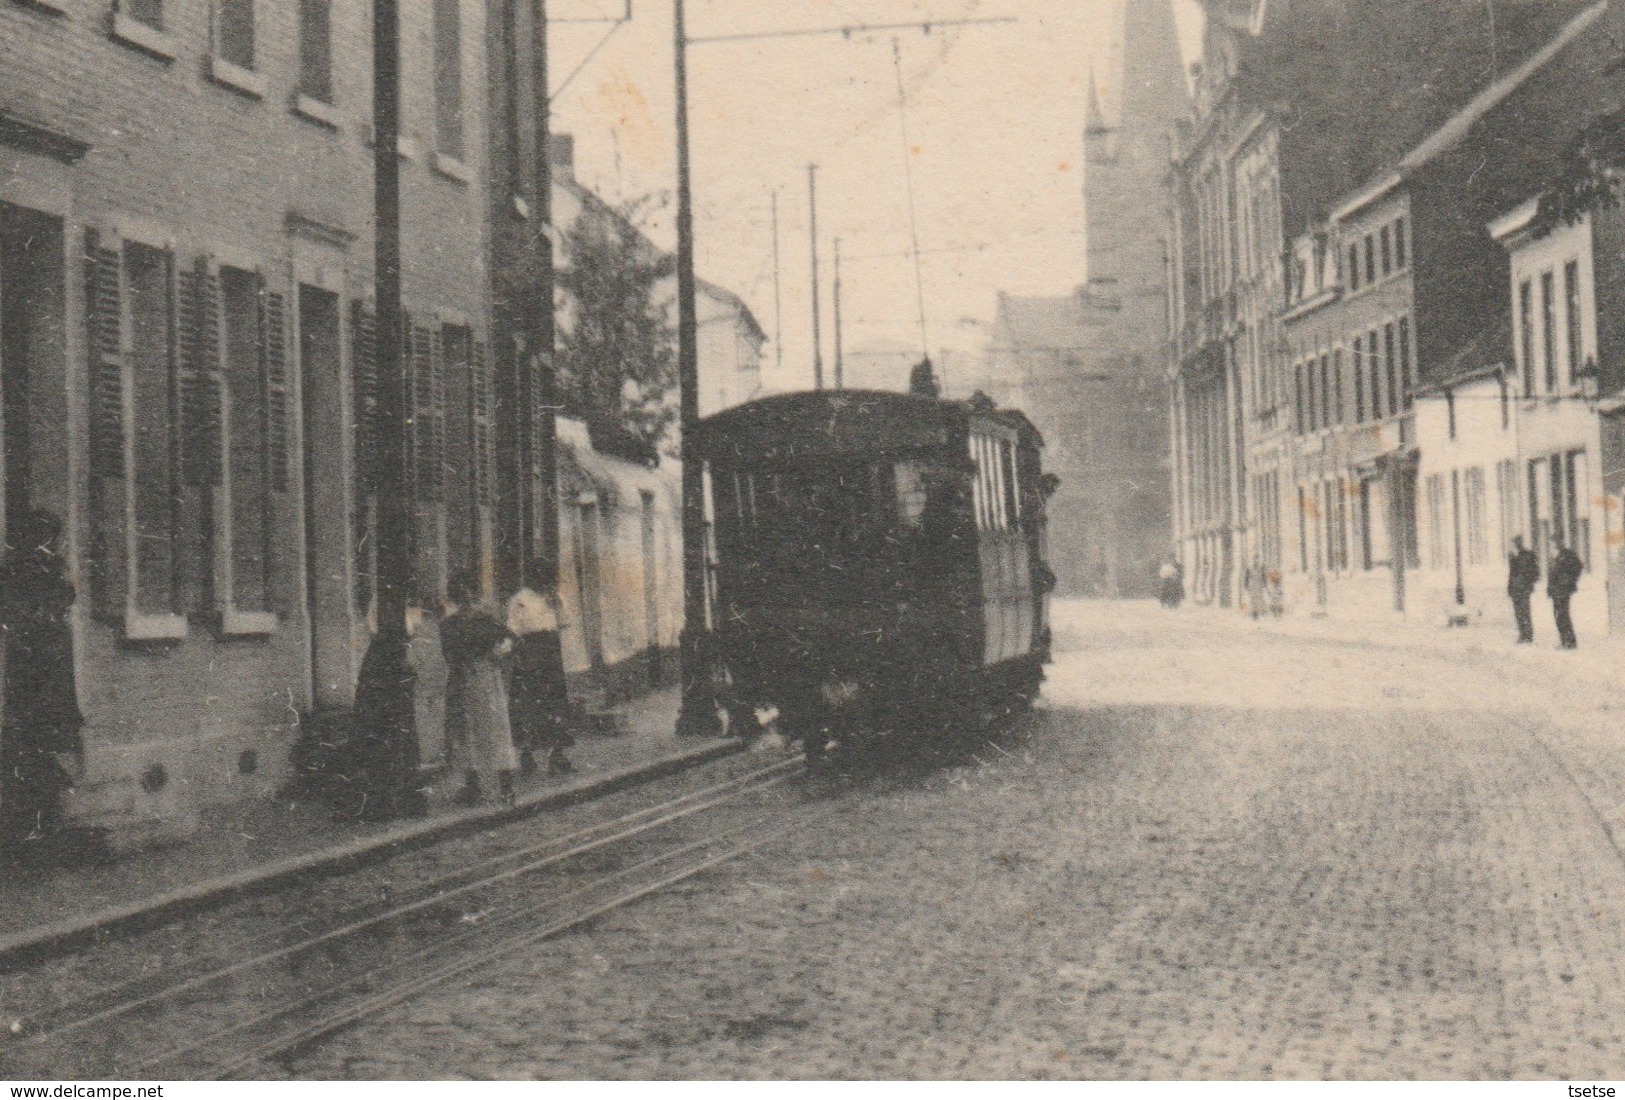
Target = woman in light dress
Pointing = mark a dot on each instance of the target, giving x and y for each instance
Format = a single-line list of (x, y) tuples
[(477, 729)]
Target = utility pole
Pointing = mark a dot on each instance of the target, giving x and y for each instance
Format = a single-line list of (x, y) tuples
[(386, 730), (778, 301), (541, 399), (697, 715), (818, 342), (837, 296)]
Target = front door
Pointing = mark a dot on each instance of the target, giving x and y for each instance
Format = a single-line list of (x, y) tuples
[(588, 581)]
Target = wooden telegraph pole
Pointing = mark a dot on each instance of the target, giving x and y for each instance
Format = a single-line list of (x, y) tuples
[(386, 730)]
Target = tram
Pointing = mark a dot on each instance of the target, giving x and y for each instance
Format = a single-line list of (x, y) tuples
[(875, 561)]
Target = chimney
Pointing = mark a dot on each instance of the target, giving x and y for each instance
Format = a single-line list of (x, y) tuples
[(561, 155)]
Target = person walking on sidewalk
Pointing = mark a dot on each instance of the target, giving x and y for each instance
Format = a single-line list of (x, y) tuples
[(1561, 580), (1522, 574), (40, 746), (538, 699), (477, 728)]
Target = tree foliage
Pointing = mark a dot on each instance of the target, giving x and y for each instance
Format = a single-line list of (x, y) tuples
[(617, 359), (1588, 176)]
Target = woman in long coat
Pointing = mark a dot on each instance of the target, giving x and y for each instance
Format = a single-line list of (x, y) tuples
[(39, 728), (538, 698), (477, 729)]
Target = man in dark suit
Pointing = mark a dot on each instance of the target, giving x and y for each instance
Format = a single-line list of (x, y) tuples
[(1561, 580), (1521, 578)]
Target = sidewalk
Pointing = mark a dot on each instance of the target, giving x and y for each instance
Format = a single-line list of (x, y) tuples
[(1596, 664), (240, 849)]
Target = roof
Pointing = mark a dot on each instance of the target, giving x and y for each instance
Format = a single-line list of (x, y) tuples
[(1483, 356), (1049, 323), (729, 298), (842, 423), (1456, 128)]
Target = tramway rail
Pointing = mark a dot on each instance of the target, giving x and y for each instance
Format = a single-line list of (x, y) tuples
[(133, 1018)]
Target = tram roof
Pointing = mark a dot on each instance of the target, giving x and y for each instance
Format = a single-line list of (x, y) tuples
[(843, 422)]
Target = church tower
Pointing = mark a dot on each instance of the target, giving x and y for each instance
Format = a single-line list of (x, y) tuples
[(1126, 153)]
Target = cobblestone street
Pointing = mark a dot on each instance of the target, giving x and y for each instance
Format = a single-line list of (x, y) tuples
[(1218, 850)]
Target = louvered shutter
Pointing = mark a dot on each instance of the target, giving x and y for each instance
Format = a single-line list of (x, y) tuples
[(483, 387), (425, 451), (198, 319), (274, 371), (364, 379), (106, 360), (437, 413)]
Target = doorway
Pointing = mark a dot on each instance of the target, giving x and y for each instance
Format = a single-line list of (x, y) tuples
[(589, 580)]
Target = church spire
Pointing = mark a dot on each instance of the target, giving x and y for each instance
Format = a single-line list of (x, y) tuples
[(1154, 89), (1095, 119)]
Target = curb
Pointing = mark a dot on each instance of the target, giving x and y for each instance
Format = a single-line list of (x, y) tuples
[(40, 944)]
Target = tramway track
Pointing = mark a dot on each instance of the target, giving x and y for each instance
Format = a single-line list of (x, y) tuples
[(343, 953), (291, 1029)]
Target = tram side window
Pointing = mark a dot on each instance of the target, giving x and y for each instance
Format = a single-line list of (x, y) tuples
[(1012, 498), (909, 477)]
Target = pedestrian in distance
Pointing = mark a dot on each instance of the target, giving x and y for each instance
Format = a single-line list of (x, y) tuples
[(538, 698), (1277, 597), (1171, 588), (1256, 584), (1523, 572), (41, 751), (477, 726), (1562, 578)]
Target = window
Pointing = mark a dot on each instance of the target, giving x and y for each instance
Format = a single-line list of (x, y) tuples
[(1526, 337), (448, 77), (1506, 491), (1359, 381), (1321, 371), (1391, 364), (147, 274), (1399, 244), (1387, 249), (234, 32), (1438, 552), (1354, 267), (1337, 385), (1571, 315), (1478, 552), (1297, 397), (1548, 330), (1406, 377), (247, 441), (1303, 531), (150, 12), (1374, 362), (1370, 258), (316, 50)]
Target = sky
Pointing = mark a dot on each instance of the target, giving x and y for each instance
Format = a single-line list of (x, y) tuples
[(994, 116)]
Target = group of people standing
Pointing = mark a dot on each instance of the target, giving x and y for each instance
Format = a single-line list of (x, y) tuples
[(1562, 580), (506, 699)]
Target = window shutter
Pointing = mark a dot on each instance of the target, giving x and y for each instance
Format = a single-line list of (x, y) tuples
[(425, 452), (437, 412), (198, 319), (274, 368), (106, 361), (364, 380), (482, 384)]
